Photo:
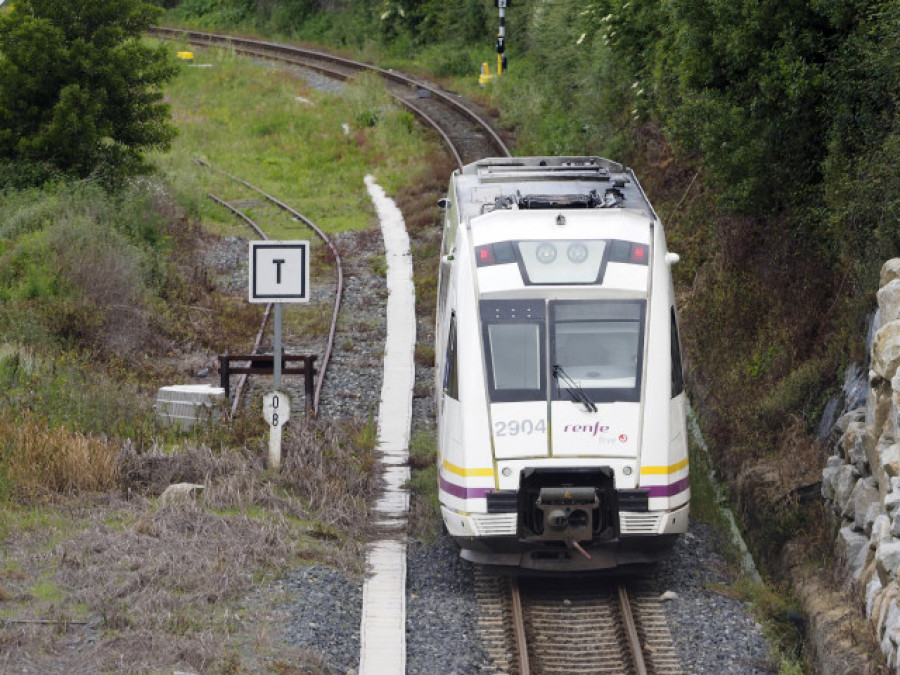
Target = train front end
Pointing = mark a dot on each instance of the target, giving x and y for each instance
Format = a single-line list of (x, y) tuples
[(561, 409)]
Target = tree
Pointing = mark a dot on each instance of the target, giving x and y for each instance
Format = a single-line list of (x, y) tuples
[(79, 91)]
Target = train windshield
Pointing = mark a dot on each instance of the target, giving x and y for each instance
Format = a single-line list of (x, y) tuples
[(599, 346)]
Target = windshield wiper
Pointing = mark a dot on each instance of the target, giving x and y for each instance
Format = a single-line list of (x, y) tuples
[(576, 393)]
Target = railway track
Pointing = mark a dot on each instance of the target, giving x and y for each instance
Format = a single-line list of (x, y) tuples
[(339, 287), (464, 129), (564, 626)]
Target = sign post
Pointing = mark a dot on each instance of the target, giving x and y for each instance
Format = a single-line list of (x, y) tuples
[(501, 36), (279, 273)]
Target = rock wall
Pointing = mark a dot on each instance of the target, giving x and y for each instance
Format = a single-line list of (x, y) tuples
[(862, 478)]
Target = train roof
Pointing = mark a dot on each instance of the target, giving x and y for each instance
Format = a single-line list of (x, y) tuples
[(532, 183)]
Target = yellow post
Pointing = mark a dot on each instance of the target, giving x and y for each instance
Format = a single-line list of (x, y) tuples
[(485, 75)]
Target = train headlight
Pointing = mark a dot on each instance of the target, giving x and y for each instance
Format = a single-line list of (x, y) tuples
[(577, 252), (545, 253)]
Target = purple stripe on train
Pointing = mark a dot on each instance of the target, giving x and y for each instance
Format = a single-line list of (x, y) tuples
[(464, 492), (668, 490), (479, 493)]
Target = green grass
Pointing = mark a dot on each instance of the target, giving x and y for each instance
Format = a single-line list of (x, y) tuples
[(268, 126), (46, 591)]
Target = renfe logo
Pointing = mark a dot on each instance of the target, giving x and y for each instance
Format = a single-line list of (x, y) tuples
[(592, 429)]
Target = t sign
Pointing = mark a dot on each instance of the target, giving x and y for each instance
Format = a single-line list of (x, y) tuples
[(279, 271)]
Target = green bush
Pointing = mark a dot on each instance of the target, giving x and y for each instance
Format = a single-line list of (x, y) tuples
[(77, 265)]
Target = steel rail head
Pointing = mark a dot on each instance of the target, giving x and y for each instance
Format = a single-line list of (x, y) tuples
[(634, 640), (421, 114), (518, 618)]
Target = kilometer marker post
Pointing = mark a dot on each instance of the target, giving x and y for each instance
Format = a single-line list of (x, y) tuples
[(279, 273), (276, 411)]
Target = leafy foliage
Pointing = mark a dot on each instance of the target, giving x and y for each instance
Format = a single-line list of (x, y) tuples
[(79, 91), (78, 267)]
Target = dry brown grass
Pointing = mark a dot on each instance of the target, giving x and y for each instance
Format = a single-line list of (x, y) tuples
[(38, 460), (138, 588), (333, 467)]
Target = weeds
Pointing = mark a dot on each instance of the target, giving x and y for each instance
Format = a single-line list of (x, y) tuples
[(332, 467), (425, 513), (424, 355)]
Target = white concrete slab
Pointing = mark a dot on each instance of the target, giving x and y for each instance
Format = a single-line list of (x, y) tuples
[(383, 626)]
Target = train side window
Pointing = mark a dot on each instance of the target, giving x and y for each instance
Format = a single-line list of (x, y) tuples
[(516, 361), (677, 372), (451, 373)]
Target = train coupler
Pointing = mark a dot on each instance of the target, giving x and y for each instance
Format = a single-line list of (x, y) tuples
[(567, 506)]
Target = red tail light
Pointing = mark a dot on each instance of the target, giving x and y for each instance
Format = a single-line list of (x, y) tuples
[(485, 255)]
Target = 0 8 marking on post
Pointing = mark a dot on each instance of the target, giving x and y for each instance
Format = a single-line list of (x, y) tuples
[(276, 408)]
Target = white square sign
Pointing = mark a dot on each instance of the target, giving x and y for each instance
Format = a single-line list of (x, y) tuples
[(279, 271)]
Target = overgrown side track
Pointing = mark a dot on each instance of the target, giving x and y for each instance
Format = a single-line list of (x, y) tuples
[(339, 289), (465, 131), (560, 626)]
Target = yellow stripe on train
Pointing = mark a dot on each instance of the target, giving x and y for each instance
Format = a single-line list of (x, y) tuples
[(673, 468), (468, 473)]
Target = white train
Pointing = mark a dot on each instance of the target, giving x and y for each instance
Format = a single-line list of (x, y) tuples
[(562, 442)]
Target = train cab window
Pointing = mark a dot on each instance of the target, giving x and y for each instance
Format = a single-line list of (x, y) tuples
[(451, 372), (514, 349), (599, 346), (677, 372)]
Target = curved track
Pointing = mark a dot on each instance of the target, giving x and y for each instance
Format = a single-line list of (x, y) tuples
[(464, 129)]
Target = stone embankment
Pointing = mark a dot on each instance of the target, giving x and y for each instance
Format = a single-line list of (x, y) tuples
[(862, 478)]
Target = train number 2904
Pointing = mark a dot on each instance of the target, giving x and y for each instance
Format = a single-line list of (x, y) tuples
[(525, 427)]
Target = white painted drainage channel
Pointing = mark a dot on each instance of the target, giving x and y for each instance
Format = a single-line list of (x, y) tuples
[(383, 626)]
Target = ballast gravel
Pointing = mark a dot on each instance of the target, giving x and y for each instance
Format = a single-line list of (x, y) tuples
[(712, 632)]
